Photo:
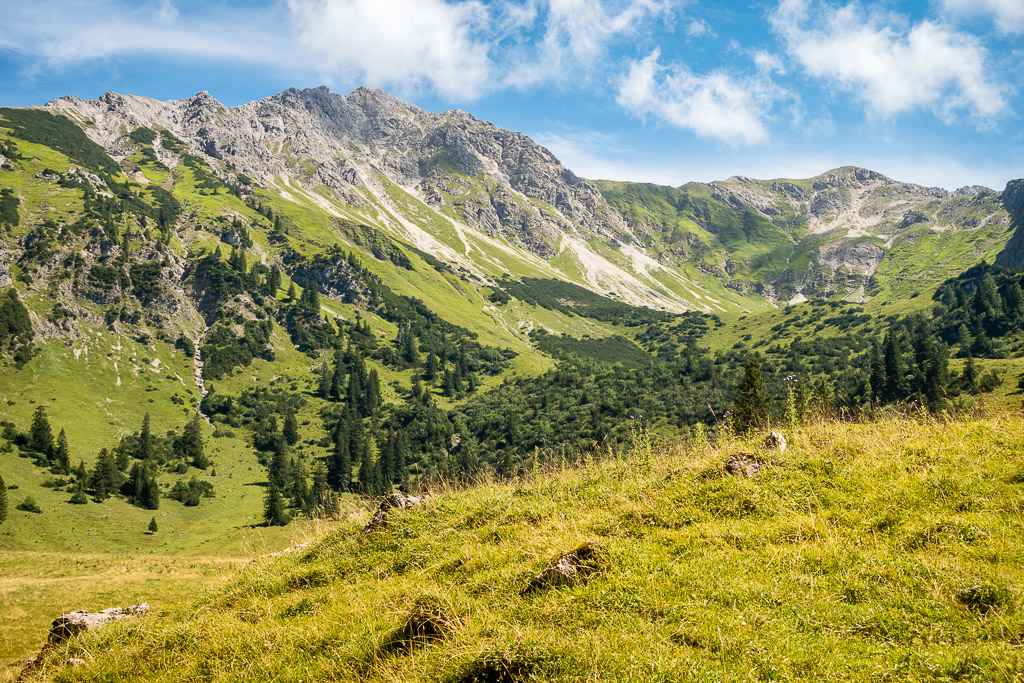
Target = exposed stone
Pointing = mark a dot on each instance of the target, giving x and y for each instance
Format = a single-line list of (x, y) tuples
[(73, 623), (568, 569), (392, 501), (775, 442), (743, 464), (69, 625)]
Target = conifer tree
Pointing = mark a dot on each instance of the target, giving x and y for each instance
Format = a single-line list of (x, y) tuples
[(3, 500), (153, 528), (105, 478), (969, 378), (339, 469), (290, 430), (750, 411), (40, 436), (79, 497), (192, 444), (291, 292), (320, 489), (273, 507), (278, 473), (877, 376), (323, 388), (895, 368), (62, 455), (145, 451)]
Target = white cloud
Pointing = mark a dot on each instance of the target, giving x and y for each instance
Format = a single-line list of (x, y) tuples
[(65, 32), (715, 105), (1008, 15), (768, 63), (698, 28), (575, 37), (890, 65), (403, 43)]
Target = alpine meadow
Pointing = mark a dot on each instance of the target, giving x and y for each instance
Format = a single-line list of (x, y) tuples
[(331, 387)]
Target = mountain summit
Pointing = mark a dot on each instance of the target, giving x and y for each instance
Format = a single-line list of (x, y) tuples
[(493, 201)]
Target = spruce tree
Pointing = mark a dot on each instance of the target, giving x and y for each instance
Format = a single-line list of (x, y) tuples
[(750, 411), (273, 507), (895, 368), (192, 444), (3, 500), (339, 468), (278, 473), (320, 489), (40, 436), (62, 456), (290, 430), (105, 478), (145, 451), (153, 528), (79, 497)]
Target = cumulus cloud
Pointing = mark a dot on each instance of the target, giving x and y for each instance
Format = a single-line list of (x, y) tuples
[(891, 65), (408, 43), (1008, 15), (716, 105), (575, 36)]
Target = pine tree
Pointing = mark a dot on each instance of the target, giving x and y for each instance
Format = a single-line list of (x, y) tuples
[(877, 377), (323, 387), (62, 456), (895, 369), (273, 507), (145, 451), (320, 489), (192, 444), (369, 469), (153, 528), (278, 473), (339, 468), (79, 497), (40, 436), (3, 500), (105, 478), (969, 378), (750, 411), (290, 430), (291, 291)]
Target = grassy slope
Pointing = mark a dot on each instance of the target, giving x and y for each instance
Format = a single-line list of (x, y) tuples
[(890, 550)]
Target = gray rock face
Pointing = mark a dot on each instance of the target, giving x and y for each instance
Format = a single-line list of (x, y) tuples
[(315, 137), (1012, 256)]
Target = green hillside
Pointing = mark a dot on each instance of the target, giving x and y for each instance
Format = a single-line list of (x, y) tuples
[(864, 551)]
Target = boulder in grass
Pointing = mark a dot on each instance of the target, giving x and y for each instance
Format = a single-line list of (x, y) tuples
[(743, 464), (69, 625), (73, 623), (775, 442), (568, 568), (392, 501)]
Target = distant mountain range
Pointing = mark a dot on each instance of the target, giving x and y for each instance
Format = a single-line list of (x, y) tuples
[(492, 201)]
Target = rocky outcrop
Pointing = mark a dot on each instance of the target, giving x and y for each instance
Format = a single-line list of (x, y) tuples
[(1012, 256), (775, 441), (568, 568), (391, 502), (72, 624), (743, 464)]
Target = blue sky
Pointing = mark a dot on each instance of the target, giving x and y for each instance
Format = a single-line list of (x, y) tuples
[(664, 91)]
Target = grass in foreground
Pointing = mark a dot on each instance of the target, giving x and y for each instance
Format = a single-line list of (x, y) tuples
[(883, 551)]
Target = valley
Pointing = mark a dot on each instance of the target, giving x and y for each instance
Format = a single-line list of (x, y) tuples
[(247, 324)]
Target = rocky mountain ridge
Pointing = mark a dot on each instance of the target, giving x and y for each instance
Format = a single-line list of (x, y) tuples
[(491, 201)]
